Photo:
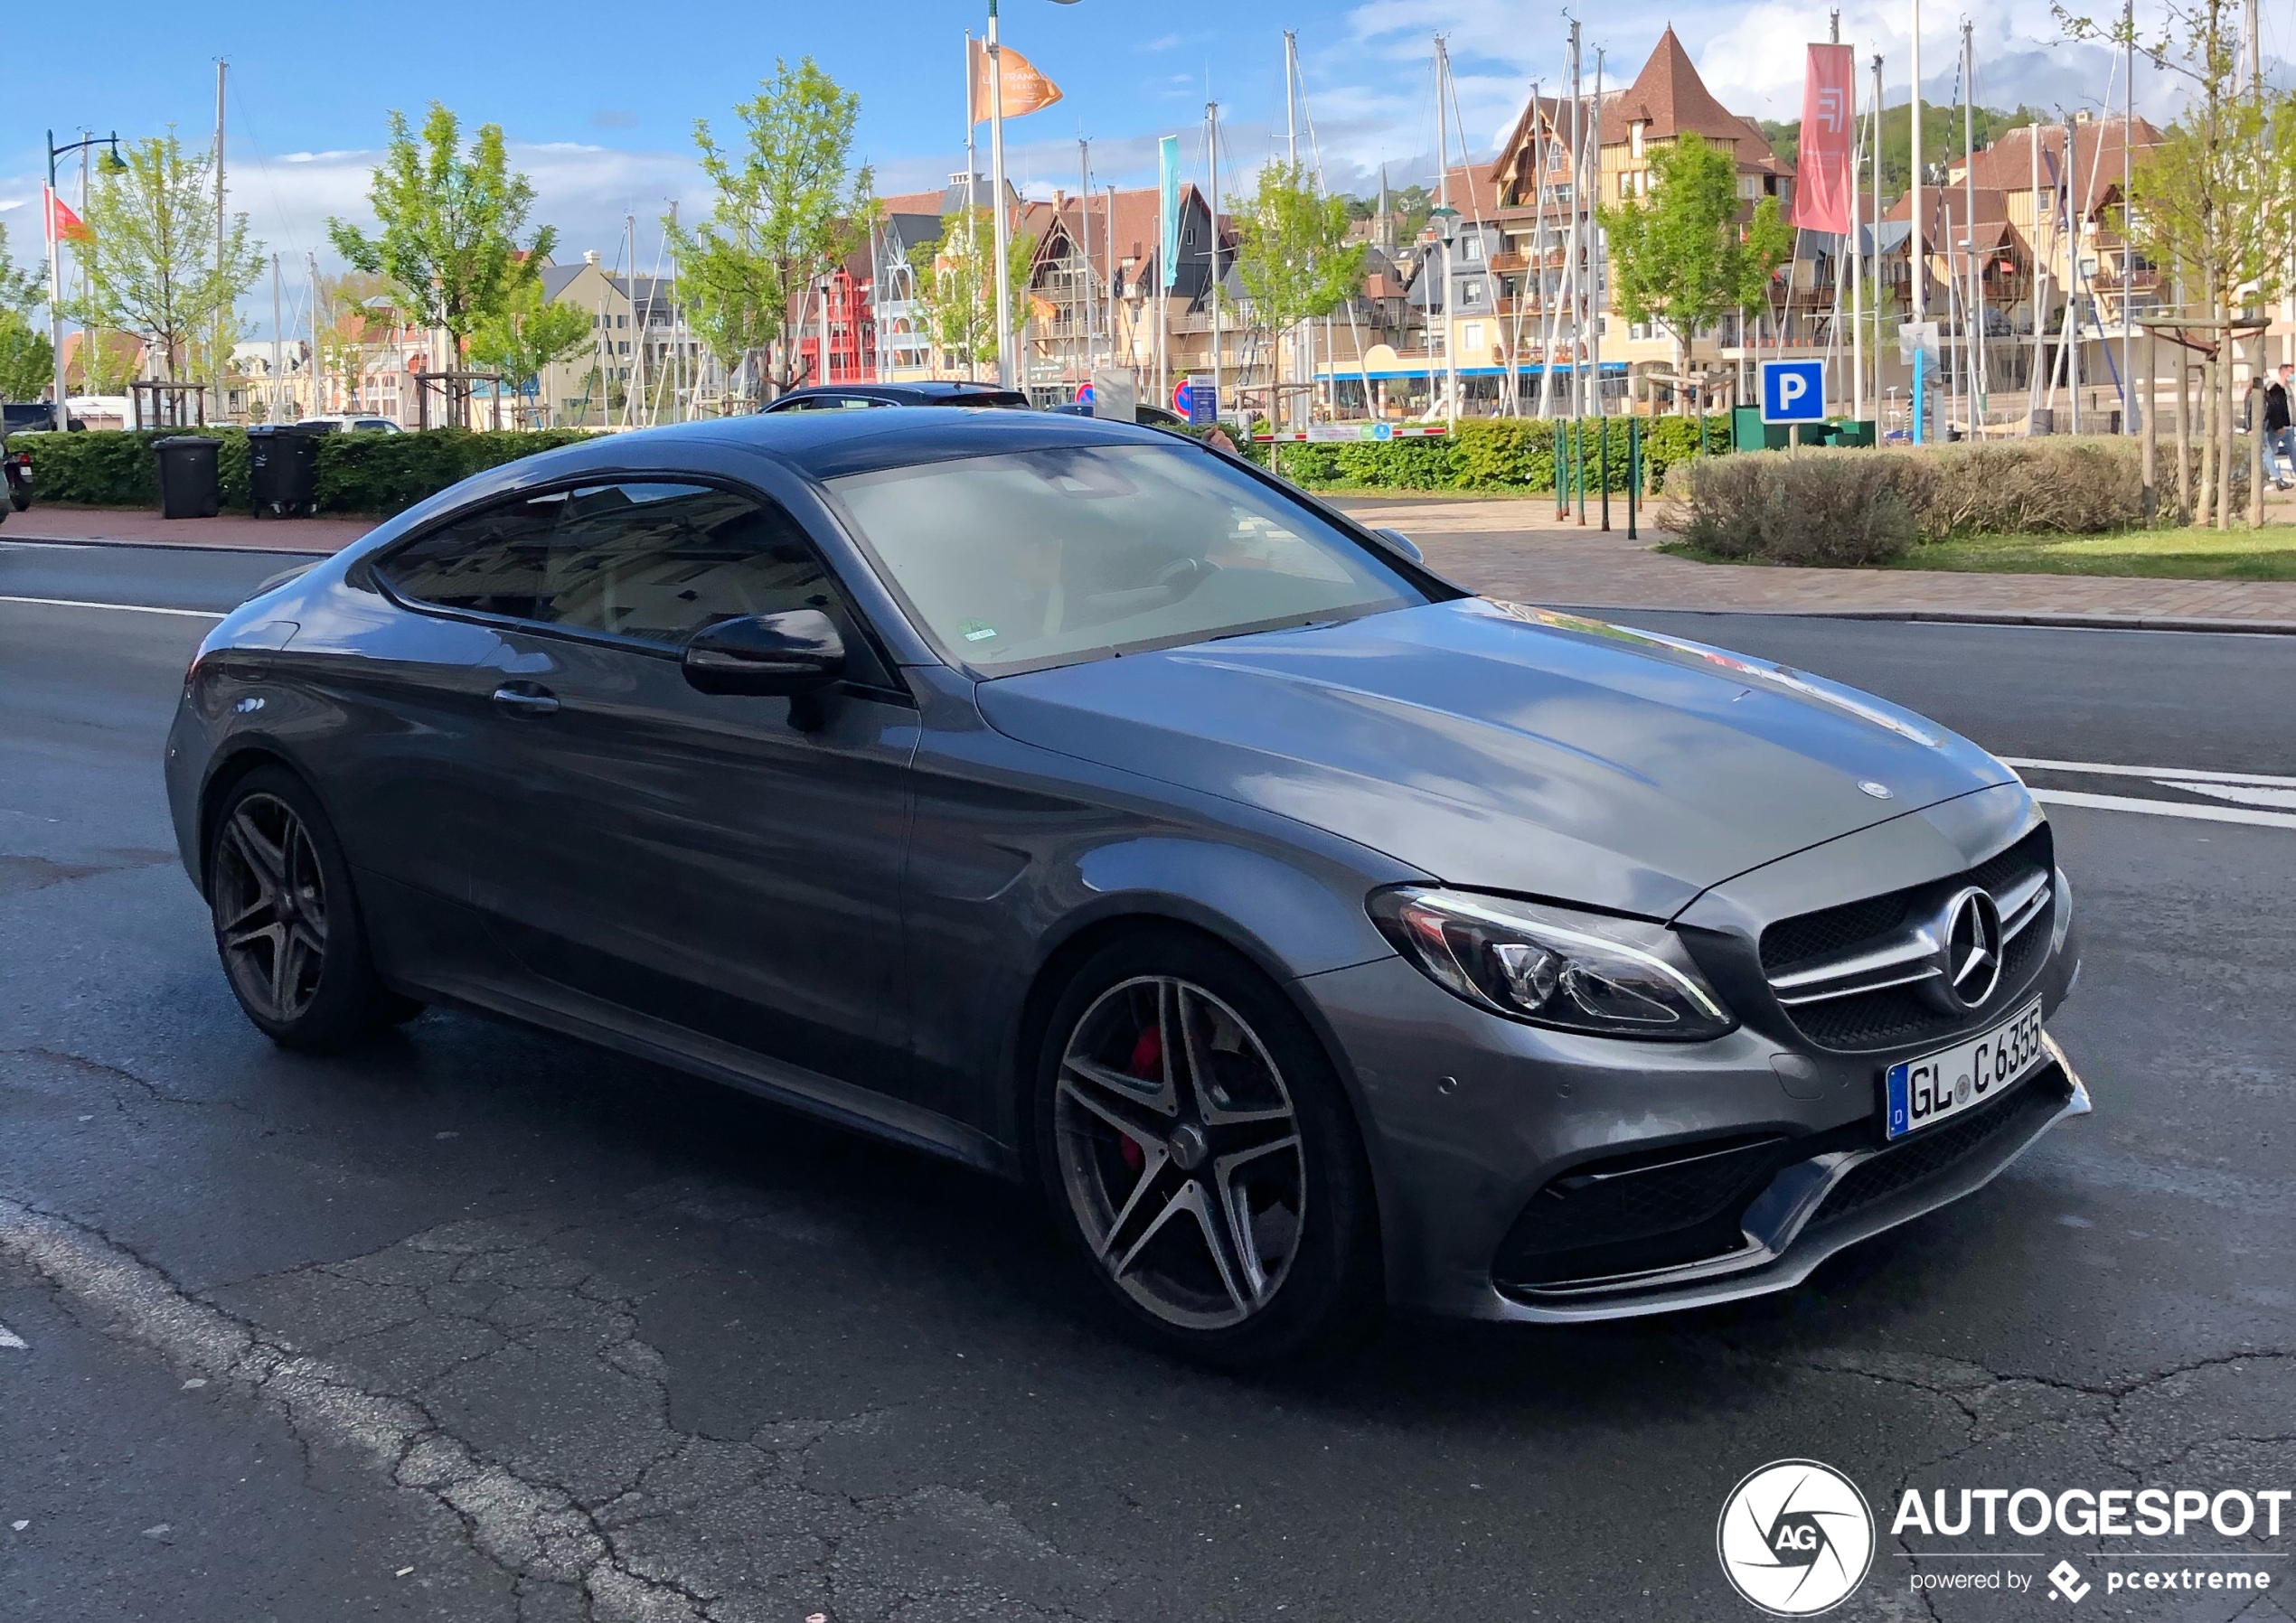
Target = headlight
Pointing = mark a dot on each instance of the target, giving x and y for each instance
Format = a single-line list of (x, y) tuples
[(1554, 966)]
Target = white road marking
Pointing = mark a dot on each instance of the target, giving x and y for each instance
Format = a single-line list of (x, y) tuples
[(2123, 802), (9, 1338), (131, 608), (2181, 774), (529, 1529), (2247, 794)]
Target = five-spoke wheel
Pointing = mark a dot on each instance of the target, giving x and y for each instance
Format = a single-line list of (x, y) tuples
[(270, 901), (287, 922), (1180, 1151), (1199, 1151)]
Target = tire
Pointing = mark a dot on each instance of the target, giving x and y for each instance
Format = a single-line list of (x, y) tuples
[(1222, 1207), (20, 499), (286, 921)]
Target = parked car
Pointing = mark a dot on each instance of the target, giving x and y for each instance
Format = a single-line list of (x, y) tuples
[(34, 417), (1147, 416), (851, 397), (335, 423), (1067, 800)]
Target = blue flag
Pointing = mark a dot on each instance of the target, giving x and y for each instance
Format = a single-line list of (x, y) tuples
[(1168, 173)]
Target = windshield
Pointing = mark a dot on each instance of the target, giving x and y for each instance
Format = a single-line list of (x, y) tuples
[(1047, 557)]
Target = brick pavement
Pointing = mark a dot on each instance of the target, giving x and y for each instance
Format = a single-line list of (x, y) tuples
[(1508, 548)]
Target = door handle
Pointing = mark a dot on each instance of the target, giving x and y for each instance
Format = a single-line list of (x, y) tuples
[(526, 698)]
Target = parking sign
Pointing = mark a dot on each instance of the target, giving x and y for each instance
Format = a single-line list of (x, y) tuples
[(1794, 391)]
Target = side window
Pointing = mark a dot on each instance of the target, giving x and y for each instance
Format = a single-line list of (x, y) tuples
[(490, 562), (653, 561)]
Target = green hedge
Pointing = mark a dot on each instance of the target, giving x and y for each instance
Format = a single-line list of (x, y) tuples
[(1493, 453), (358, 472)]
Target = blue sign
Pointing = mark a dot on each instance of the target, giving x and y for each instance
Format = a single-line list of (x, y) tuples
[(1794, 391), (1183, 400), (1203, 404), (1084, 394)]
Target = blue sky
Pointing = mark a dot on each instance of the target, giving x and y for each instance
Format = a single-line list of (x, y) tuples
[(598, 100)]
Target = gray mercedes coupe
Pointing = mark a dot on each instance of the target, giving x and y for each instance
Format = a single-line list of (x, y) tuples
[(1085, 805)]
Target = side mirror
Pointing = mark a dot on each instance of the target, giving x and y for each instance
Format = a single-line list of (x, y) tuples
[(1402, 543), (793, 652)]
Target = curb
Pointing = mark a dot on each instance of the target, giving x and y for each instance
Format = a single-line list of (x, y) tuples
[(2180, 622), (245, 550)]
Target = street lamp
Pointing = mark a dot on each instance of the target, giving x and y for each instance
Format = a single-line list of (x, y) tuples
[(1445, 221), (113, 164)]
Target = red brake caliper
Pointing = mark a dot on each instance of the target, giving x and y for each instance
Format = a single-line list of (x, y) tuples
[(1147, 1064)]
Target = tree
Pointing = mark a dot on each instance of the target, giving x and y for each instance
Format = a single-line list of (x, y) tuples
[(23, 290), (530, 337), (1680, 255), (150, 256), (27, 360), (1292, 254), (449, 225), (956, 286), (789, 208), (2213, 205)]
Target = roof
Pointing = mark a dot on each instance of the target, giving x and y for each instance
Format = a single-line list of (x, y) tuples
[(2007, 165), (1670, 97), (557, 277)]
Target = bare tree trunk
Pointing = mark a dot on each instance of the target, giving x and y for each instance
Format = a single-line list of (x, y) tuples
[(2204, 504), (2226, 352), (2184, 434)]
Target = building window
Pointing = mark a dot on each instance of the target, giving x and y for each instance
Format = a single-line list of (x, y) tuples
[(1637, 134), (1471, 248), (1749, 186), (1471, 335)]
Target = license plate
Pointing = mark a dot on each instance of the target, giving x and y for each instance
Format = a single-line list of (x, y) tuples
[(1925, 1091)]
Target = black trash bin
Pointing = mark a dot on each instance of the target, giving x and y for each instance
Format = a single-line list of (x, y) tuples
[(282, 469), (187, 479)]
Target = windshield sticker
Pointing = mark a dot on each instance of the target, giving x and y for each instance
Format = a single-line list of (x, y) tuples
[(976, 630)]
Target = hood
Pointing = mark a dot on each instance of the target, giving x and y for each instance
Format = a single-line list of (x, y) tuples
[(1509, 748)]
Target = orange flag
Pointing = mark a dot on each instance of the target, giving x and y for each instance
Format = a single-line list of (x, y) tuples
[(64, 225), (1025, 88)]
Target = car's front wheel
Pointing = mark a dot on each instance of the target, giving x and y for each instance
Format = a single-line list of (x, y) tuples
[(286, 923), (1199, 1152)]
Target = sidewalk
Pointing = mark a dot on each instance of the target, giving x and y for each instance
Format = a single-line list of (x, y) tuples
[(136, 527), (1509, 548), (1514, 549)]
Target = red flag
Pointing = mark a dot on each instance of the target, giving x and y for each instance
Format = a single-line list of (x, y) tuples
[(1822, 187), (64, 225)]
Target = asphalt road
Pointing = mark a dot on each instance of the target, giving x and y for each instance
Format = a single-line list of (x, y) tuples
[(477, 1324)]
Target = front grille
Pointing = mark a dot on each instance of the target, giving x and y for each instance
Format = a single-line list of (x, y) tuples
[(1819, 934), (1896, 1016), (1926, 1155)]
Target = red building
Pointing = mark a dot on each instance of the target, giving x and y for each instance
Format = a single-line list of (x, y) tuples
[(846, 305)]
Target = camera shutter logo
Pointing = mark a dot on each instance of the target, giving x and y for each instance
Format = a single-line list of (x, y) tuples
[(1795, 1538)]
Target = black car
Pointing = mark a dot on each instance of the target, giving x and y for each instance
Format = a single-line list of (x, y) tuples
[(1147, 416), (848, 397)]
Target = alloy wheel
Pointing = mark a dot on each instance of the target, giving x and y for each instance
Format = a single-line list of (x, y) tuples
[(1180, 1152), (270, 907)]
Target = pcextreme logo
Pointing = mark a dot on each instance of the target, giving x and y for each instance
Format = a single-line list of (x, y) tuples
[(1795, 1538)]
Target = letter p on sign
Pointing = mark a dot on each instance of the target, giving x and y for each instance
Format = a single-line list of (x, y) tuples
[(1794, 391)]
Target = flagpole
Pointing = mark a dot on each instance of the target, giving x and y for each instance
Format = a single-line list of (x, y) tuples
[(56, 289), (996, 201)]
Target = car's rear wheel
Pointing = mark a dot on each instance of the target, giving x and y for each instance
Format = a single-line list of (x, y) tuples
[(287, 923), (1199, 1152)]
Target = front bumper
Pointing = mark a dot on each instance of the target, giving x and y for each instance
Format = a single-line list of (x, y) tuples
[(1470, 1118)]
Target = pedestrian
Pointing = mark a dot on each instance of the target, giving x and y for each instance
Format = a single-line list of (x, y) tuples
[(2280, 441)]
